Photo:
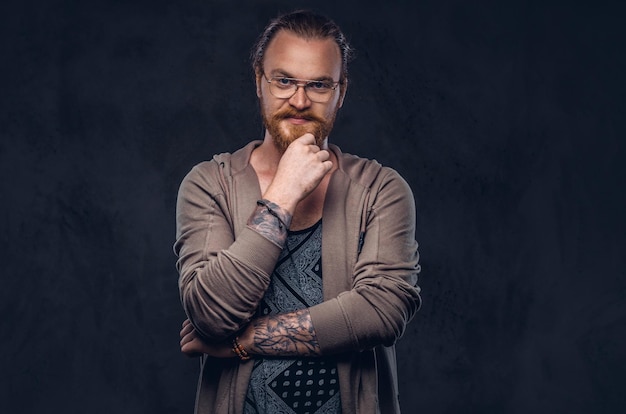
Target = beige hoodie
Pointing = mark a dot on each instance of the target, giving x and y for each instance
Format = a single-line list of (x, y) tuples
[(369, 262)]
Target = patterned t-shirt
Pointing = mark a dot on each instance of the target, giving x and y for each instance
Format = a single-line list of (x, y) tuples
[(303, 385)]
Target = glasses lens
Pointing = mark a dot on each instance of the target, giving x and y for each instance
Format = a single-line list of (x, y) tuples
[(318, 96), (282, 91), (285, 88)]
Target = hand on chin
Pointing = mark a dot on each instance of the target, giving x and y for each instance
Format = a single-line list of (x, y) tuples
[(292, 132)]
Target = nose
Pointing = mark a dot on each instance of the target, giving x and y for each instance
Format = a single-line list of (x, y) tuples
[(300, 100)]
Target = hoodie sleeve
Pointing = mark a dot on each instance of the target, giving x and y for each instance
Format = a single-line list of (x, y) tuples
[(222, 278), (384, 295)]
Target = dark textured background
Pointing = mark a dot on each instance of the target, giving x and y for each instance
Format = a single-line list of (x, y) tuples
[(505, 117)]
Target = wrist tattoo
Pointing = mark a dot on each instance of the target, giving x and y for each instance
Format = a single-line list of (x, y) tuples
[(290, 334), (271, 221)]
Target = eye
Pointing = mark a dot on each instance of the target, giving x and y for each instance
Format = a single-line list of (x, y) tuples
[(284, 82), (320, 85)]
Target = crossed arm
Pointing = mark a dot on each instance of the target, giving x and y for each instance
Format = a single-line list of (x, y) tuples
[(222, 304), (289, 334), (300, 171)]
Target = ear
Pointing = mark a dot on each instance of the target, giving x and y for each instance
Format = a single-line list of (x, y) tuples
[(343, 88), (258, 80)]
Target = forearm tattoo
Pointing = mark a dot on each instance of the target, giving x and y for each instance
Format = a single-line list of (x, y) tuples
[(271, 221), (289, 334)]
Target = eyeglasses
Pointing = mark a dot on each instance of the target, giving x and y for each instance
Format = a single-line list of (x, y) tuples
[(319, 91)]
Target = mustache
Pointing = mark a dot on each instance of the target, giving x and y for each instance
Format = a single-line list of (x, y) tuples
[(292, 113)]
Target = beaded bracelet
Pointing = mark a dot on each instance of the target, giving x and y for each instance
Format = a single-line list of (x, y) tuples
[(239, 350)]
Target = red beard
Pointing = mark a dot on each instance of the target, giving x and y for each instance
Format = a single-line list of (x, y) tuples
[(319, 127)]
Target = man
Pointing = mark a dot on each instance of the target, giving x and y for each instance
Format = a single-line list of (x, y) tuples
[(298, 263)]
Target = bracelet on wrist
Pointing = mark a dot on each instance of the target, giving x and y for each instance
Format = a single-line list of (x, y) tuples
[(272, 209), (239, 350)]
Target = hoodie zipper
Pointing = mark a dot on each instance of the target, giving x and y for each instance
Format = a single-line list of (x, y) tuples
[(364, 219)]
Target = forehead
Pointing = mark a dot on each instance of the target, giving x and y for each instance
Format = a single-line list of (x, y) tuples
[(302, 58)]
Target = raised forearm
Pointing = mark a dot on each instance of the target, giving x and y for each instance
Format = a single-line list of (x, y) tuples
[(271, 221), (284, 335), (222, 279)]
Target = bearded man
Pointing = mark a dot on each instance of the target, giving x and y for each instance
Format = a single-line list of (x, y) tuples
[(298, 263)]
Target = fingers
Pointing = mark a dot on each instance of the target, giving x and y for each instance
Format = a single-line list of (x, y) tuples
[(186, 328), (185, 338), (323, 155), (307, 139), (190, 344), (191, 348), (300, 170)]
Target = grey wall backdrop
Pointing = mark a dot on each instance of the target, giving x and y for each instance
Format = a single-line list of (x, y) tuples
[(505, 117)]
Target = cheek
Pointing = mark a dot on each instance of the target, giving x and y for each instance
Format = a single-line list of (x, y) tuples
[(332, 107), (269, 105), (331, 111), (266, 109)]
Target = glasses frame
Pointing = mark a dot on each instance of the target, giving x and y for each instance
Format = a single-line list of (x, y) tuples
[(301, 83)]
